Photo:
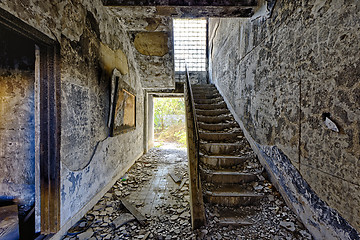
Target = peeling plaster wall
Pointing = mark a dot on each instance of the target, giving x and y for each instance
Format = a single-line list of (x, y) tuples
[(152, 43), (17, 117), (279, 75), (93, 42)]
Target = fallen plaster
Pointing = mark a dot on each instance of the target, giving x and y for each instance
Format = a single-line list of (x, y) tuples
[(121, 171)]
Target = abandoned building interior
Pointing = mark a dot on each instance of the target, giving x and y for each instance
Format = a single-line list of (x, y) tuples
[(78, 79)]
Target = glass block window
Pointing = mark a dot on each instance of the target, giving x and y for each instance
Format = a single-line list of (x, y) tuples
[(190, 44)]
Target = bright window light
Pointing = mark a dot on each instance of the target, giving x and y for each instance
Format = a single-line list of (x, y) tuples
[(190, 44)]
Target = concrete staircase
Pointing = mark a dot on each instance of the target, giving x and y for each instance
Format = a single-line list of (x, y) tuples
[(228, 166)]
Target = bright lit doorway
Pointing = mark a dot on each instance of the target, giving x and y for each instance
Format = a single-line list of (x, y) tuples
[(169, 121)]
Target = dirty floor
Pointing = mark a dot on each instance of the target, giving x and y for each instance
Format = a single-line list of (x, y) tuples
[(149, 187)]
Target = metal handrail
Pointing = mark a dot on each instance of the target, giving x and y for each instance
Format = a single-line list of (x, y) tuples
[(195, 122)]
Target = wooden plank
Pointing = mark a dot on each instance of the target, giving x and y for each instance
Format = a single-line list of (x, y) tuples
[(9, 223), (174, 177), (141, 218), (182, 184)]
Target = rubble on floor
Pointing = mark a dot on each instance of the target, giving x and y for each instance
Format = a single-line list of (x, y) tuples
[(149, 188)]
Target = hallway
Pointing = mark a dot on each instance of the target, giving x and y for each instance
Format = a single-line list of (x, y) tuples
[(149, 187), (78, 86)]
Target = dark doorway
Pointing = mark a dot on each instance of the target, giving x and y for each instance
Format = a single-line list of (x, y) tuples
[(17, 125), (30, 125)]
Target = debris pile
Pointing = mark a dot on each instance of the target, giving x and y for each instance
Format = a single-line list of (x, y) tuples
[(118, 216)]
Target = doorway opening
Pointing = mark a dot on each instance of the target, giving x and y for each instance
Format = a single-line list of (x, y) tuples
[(29, 129), (169, 122), (17, 127)]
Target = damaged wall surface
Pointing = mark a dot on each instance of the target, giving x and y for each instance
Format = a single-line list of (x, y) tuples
[(17, 121), (150, 31), (280, 76), (88, 35), (150, 34)]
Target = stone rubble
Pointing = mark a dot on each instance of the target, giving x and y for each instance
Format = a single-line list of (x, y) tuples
[(271, 220)]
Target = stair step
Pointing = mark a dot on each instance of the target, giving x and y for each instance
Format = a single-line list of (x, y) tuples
[(209, 95), (220, 137), (224, 161), (215, 119), (214, 112), (217, 126), (234, 221), (232, 196), (211, 106), (227, 149), (227, 177), (203, 86), (205, 90), (209, 101)]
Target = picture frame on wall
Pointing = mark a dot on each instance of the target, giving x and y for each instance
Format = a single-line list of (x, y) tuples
[(122, 106)]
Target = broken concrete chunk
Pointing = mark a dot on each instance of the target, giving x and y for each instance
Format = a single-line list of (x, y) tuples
[(185, 215), (271, 198), (123, 219), (261, 177), (108, 195), (305, 234), (180, 210), (85, 235), (98, 207), (331, 125), (109, 210), (288, 225), (174, 217)]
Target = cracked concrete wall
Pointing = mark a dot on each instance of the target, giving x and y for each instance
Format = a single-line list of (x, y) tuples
[(17, 121), (93, 42), (281, 74)]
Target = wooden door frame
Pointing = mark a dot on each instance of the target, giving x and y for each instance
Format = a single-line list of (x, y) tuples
[(50, 119)]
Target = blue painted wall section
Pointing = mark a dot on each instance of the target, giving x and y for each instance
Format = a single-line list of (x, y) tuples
[(317, 214)]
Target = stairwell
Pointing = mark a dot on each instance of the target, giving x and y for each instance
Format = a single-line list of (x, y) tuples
[(228, 167)]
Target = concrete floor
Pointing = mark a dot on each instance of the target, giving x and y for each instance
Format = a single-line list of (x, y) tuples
[(157, 192)]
